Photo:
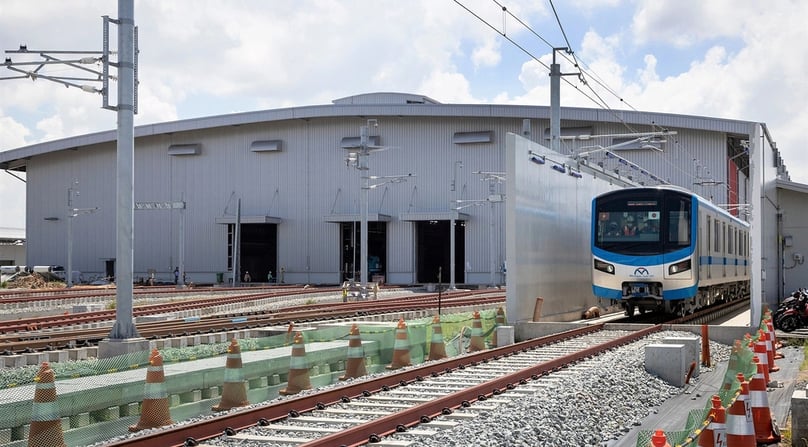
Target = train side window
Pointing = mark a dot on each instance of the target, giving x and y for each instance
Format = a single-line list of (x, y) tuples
[(717, 237), (708, 238), (731, 244), (723, 235)]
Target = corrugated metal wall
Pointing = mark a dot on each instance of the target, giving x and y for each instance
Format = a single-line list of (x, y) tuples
[(303, 183)]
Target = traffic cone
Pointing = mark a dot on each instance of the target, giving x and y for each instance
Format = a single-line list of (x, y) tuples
[(401, 347), (769, 351), (46, 426), (715, 434), (437, 348), (775, 344), (766, 431), (154, 409), (760, 353), (234, 390), (658, 439), (740, 428), (477, 341), (355, 364), (298, 379), (499, 320)]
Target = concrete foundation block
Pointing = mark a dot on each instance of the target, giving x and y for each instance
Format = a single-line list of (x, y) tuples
[(105, 414), (130, 409), (668, 362), (210, 393), (258, 382), (5, 436), (20, 433), (79, 420), (799, 415), (692, 349), (36, 358), (14, 361), (505, 335), (191, 396), (275, 379), (76, 353), (58, 356)]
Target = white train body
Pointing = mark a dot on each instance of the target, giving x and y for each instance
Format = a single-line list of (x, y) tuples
[(665, 248)]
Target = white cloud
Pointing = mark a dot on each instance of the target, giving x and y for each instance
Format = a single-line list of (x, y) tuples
[(487, 55)]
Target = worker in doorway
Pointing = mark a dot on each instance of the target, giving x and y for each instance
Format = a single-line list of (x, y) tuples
[(247, 277), (269, 276), (176, 275)]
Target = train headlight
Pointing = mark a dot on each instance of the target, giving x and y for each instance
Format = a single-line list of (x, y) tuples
[(604, 267), (679, 267)]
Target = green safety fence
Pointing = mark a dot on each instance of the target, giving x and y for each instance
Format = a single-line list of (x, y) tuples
[(740, 362), (17, 384)]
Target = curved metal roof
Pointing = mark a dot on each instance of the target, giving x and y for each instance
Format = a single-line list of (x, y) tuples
[(379, 105)]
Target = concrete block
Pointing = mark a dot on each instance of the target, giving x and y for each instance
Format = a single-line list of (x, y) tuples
[(76, 353), (130, 409), (191, 396), (14, 361), (799, 415), (258, 382), (505, 335), (210, 393), (275, 379), (58, 356), (5, 436), (79, 420), (105, 414), (20, 433), (692, 349), (36, 358), (668, 362), (174, 400)]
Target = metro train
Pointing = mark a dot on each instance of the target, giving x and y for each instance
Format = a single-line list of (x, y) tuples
[(666, 249)]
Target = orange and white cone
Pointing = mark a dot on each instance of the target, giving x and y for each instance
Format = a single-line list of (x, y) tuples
[(154, 410), (46, 426), (355, 364), (477, 341), (437, 347), (715, 434), (740, 428), (234, 389), (769, 351), (775, 344), (298, 379), (401, 347), (499, 320), (760, 353), (766, 431), (658, 439)]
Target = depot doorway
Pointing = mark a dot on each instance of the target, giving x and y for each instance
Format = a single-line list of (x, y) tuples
[(351, 250), (433, 251), (258, 252)]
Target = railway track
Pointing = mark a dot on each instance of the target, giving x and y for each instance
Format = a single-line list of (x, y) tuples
[(71, 331), (418, 399)]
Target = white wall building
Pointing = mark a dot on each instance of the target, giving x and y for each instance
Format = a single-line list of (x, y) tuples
[(300, 200)]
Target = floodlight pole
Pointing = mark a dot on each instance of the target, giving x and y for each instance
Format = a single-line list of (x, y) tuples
[(363, 227)]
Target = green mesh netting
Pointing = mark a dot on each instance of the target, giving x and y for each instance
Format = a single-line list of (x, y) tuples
[(740, 362), (78, 408)]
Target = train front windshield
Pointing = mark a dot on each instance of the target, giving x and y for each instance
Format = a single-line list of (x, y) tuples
[(637, 223)]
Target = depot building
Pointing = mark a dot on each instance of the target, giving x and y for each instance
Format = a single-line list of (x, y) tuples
[(292, 180)]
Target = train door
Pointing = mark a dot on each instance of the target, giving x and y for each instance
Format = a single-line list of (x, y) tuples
[(708, 245), (723, 249)]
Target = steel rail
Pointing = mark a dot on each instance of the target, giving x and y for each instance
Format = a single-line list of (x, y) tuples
[(193, 433)]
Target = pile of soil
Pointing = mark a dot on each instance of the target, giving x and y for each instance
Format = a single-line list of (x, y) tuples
[(33, 281)]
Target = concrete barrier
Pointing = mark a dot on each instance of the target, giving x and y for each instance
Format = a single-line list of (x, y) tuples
[(668, 362)]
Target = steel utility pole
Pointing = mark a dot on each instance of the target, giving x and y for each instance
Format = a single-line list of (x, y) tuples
[(124, 327)]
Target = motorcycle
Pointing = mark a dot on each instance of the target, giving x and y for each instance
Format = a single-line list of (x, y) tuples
[(792, 313)]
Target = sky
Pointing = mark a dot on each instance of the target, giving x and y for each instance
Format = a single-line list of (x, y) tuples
[(735, 59)]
